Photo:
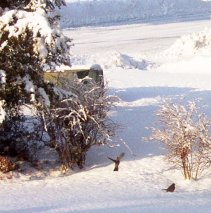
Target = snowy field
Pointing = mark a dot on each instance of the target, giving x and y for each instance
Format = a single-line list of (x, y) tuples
[(107, 12), (143, 64)]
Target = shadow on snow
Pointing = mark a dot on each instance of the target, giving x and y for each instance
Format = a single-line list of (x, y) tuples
[(135, 114)]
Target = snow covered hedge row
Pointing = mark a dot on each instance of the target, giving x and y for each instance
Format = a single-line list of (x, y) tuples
[(92, 12)]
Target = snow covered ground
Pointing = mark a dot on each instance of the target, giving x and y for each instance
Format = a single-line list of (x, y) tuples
[(143, 65)]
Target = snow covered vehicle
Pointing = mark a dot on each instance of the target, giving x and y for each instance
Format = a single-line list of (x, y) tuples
[(94, 72)]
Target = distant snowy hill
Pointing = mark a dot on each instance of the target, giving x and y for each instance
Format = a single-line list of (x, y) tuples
[(95, 12)]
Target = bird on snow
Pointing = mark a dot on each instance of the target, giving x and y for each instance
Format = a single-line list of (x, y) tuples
[(117, 161), (171, 188)]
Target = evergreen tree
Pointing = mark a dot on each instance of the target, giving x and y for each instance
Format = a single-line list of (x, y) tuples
[(30, 42)]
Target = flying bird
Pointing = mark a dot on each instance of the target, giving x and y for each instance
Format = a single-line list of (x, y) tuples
[(117, 161), (171, 188)]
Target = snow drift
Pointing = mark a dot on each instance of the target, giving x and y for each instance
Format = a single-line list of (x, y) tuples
[(198, 43), (113, 60), (190, 53)]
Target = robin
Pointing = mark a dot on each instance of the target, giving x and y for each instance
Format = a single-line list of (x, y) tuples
[(171, 188), (117, 161)]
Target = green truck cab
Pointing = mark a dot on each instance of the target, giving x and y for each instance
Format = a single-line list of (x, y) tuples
[(94, 72)]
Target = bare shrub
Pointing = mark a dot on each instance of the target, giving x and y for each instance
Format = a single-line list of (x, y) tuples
[(81, 121), (185, 133)]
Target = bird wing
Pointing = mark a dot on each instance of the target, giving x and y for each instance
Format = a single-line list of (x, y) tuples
[(112, 159)]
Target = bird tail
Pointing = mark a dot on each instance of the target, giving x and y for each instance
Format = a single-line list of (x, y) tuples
[(121, 155)]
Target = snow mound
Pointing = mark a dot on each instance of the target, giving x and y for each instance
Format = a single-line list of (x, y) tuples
[(189, 54), (111, 60), (190, 45), (95, 12)]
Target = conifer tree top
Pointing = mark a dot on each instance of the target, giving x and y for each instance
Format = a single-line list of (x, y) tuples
[(32, 4), (51, 46)]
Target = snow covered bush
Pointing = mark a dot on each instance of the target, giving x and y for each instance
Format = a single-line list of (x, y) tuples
[(185, 133), (82, 121), (30, 42)]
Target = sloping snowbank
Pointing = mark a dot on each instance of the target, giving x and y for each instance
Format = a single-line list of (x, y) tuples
[(94, 12)]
